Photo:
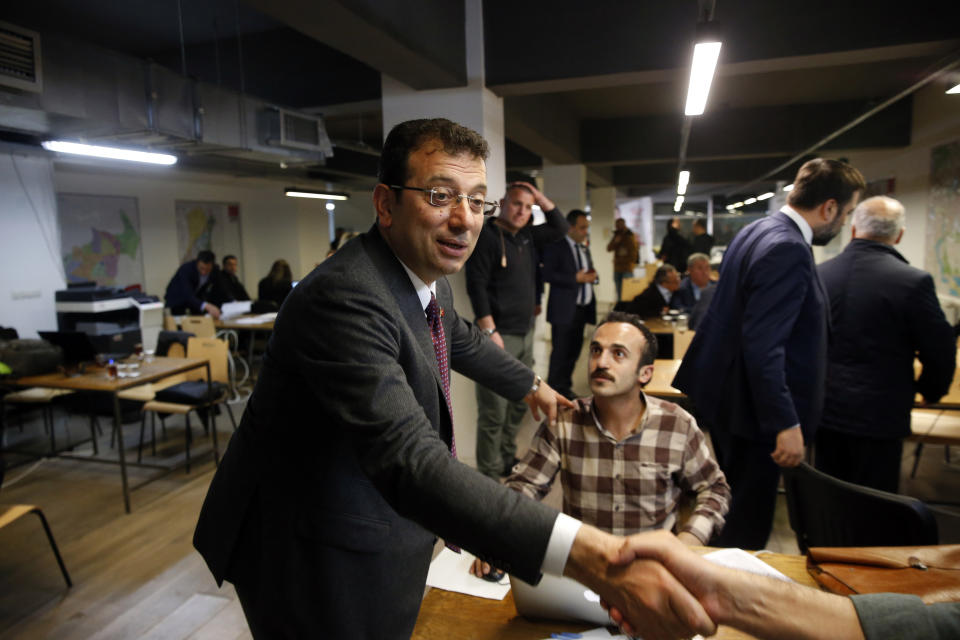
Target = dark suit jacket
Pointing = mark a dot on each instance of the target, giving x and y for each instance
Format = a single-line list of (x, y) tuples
[(884, 313), (340, 473), (757, 363), (184, 291), (560, 270), (684, 298), (649, 303), (274, 292)]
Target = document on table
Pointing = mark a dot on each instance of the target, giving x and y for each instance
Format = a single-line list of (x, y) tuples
[(233, 309), (740, 559), (594, 634), (260, 319), (451, 572)]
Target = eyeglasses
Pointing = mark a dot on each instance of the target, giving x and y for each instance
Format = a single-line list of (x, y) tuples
[(446, 196)]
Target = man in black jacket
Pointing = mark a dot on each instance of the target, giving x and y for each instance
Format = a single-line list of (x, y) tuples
[(656, 298), (884, 312), (192, 286)]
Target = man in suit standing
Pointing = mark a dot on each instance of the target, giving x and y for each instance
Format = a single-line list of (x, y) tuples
[(324, 508), (755, 369), (692, 288), (568, 267), (884, 313)]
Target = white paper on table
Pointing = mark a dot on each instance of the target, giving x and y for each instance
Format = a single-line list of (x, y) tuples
[(232, 309), (740, 559), (451, 572), (260, 319)]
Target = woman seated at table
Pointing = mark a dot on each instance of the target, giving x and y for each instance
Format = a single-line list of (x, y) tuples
[(277, 284)]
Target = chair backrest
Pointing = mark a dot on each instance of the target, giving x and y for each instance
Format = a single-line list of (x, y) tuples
[(215, 351), (827, 512), (200, 326), (170, 323), (173, 344)]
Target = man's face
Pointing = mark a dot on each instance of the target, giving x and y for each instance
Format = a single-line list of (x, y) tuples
[(826, 232), (230, 266), (620, 225), (672, 283), (615, 353), (699, 272), (516, 209), (434, 241), (579, 230), (204, 268)]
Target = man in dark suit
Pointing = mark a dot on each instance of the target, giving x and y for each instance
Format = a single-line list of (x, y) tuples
[(702, 241), (691, 288), (568, 267), (191, 286), (755, 369), (884, 313), (230, 285), (657, 298), (324, 508)]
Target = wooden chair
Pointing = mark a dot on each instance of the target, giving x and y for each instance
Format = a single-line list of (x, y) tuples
[(213, 350), (200, 326), (933, 427), (12, 513), (827, 512), (38, 397)]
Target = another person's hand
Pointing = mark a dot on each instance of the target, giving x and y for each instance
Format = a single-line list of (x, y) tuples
[(497, 339), (586, 276), (484, 570), (789, 451), (212, 309), (537, 309), (548, 401), (542, 201)]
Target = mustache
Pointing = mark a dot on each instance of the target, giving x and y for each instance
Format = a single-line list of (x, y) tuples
[(601, 373)]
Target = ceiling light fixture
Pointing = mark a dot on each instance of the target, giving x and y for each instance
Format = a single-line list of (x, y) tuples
[(682, 181), (295, 192), (953, 90), (111, 153), (737, 205), (705, 55), (678, 204), (789, 187), (765, 196), (749, 201)]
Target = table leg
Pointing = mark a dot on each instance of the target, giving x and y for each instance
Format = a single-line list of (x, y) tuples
[(123, 463), (210, 420)]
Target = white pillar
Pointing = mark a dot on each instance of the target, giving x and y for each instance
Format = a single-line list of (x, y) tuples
[(566, 185), (602, 215)]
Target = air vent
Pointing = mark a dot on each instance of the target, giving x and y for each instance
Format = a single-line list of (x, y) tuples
[(283, 128), (20, 58)]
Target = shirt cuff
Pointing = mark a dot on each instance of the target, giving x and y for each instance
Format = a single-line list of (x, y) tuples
[(564, 531)]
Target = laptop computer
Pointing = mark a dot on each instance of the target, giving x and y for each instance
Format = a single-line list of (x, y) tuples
[(557, 598)]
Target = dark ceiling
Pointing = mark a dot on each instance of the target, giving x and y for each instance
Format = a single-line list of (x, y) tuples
[(599, 82)]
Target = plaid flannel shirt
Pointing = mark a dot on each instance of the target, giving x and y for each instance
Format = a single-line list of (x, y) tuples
[(632, 485)]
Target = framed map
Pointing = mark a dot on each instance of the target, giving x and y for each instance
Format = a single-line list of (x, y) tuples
[(214, 226), (943, 219), (100, 239)]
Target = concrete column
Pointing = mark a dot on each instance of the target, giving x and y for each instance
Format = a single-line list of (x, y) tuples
[(566, 185), (602, 216)]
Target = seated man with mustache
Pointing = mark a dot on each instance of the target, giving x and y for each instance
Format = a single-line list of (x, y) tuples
[(625, 459)]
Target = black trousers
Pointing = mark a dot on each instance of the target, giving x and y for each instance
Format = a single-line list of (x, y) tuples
[(753, 477), (871, 462), (567, 341)]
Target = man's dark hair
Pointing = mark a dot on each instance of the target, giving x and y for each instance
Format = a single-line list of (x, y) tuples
[(229, 256), (819, 180), (700, 223), (661, 274), (206, 257), (574, 215), (650, 348), (407, 137)]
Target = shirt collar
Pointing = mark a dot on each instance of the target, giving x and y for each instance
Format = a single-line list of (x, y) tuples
[(805, 228), (643, 421), (666, 293), (424, 290)]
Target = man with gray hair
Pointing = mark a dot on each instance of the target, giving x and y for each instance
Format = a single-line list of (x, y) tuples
[(884, 313)]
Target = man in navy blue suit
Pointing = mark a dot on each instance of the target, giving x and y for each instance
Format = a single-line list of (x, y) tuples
[(755, 370)]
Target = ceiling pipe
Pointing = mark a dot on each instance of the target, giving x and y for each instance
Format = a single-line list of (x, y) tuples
[(942, 66)]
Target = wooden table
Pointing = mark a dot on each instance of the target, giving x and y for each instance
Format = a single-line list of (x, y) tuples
[(240, 323), (445, 614), (95, 379), (660, 384)]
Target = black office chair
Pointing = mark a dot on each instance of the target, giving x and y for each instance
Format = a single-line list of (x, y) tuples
[(827, 512)]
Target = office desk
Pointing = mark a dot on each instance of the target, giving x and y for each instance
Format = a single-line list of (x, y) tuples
[(96, 380), (247, 322), (445, 614)]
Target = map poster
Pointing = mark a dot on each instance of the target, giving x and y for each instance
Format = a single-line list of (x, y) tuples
[(213, 226), (100, 239), (943, 219)]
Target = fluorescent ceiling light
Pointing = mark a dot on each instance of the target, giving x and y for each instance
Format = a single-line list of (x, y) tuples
[(112, 153), (294, 192), (955, 89), (749, 201), (730, 207), (737, 205), (331, 206), (789, 187), (678, 203), (705, 56), (764, 196), (682, 182)]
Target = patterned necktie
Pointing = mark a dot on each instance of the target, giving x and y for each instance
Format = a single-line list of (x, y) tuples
[(434, 316)]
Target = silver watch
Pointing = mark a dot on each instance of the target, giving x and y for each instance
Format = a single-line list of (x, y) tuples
[(489, 332), (536, 385)]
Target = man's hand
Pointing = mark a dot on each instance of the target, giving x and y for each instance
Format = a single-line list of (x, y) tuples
[(543, 201), (496, 339), (689, 539), (548, 401), (586, 276), (643, 594), (212, 309), (789, 451)]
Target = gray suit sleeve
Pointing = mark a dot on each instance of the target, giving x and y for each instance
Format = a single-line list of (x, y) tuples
[(894, 616)]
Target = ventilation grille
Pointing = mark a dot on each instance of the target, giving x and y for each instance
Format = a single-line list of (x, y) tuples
[(19, 58), (283, 128)]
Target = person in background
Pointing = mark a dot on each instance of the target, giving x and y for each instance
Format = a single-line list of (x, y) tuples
[(885, 313), (230, 285), (702, 241), (692, 288), (655, 300), (192, 285), (626, 253), (674, 248), (277, 284)]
